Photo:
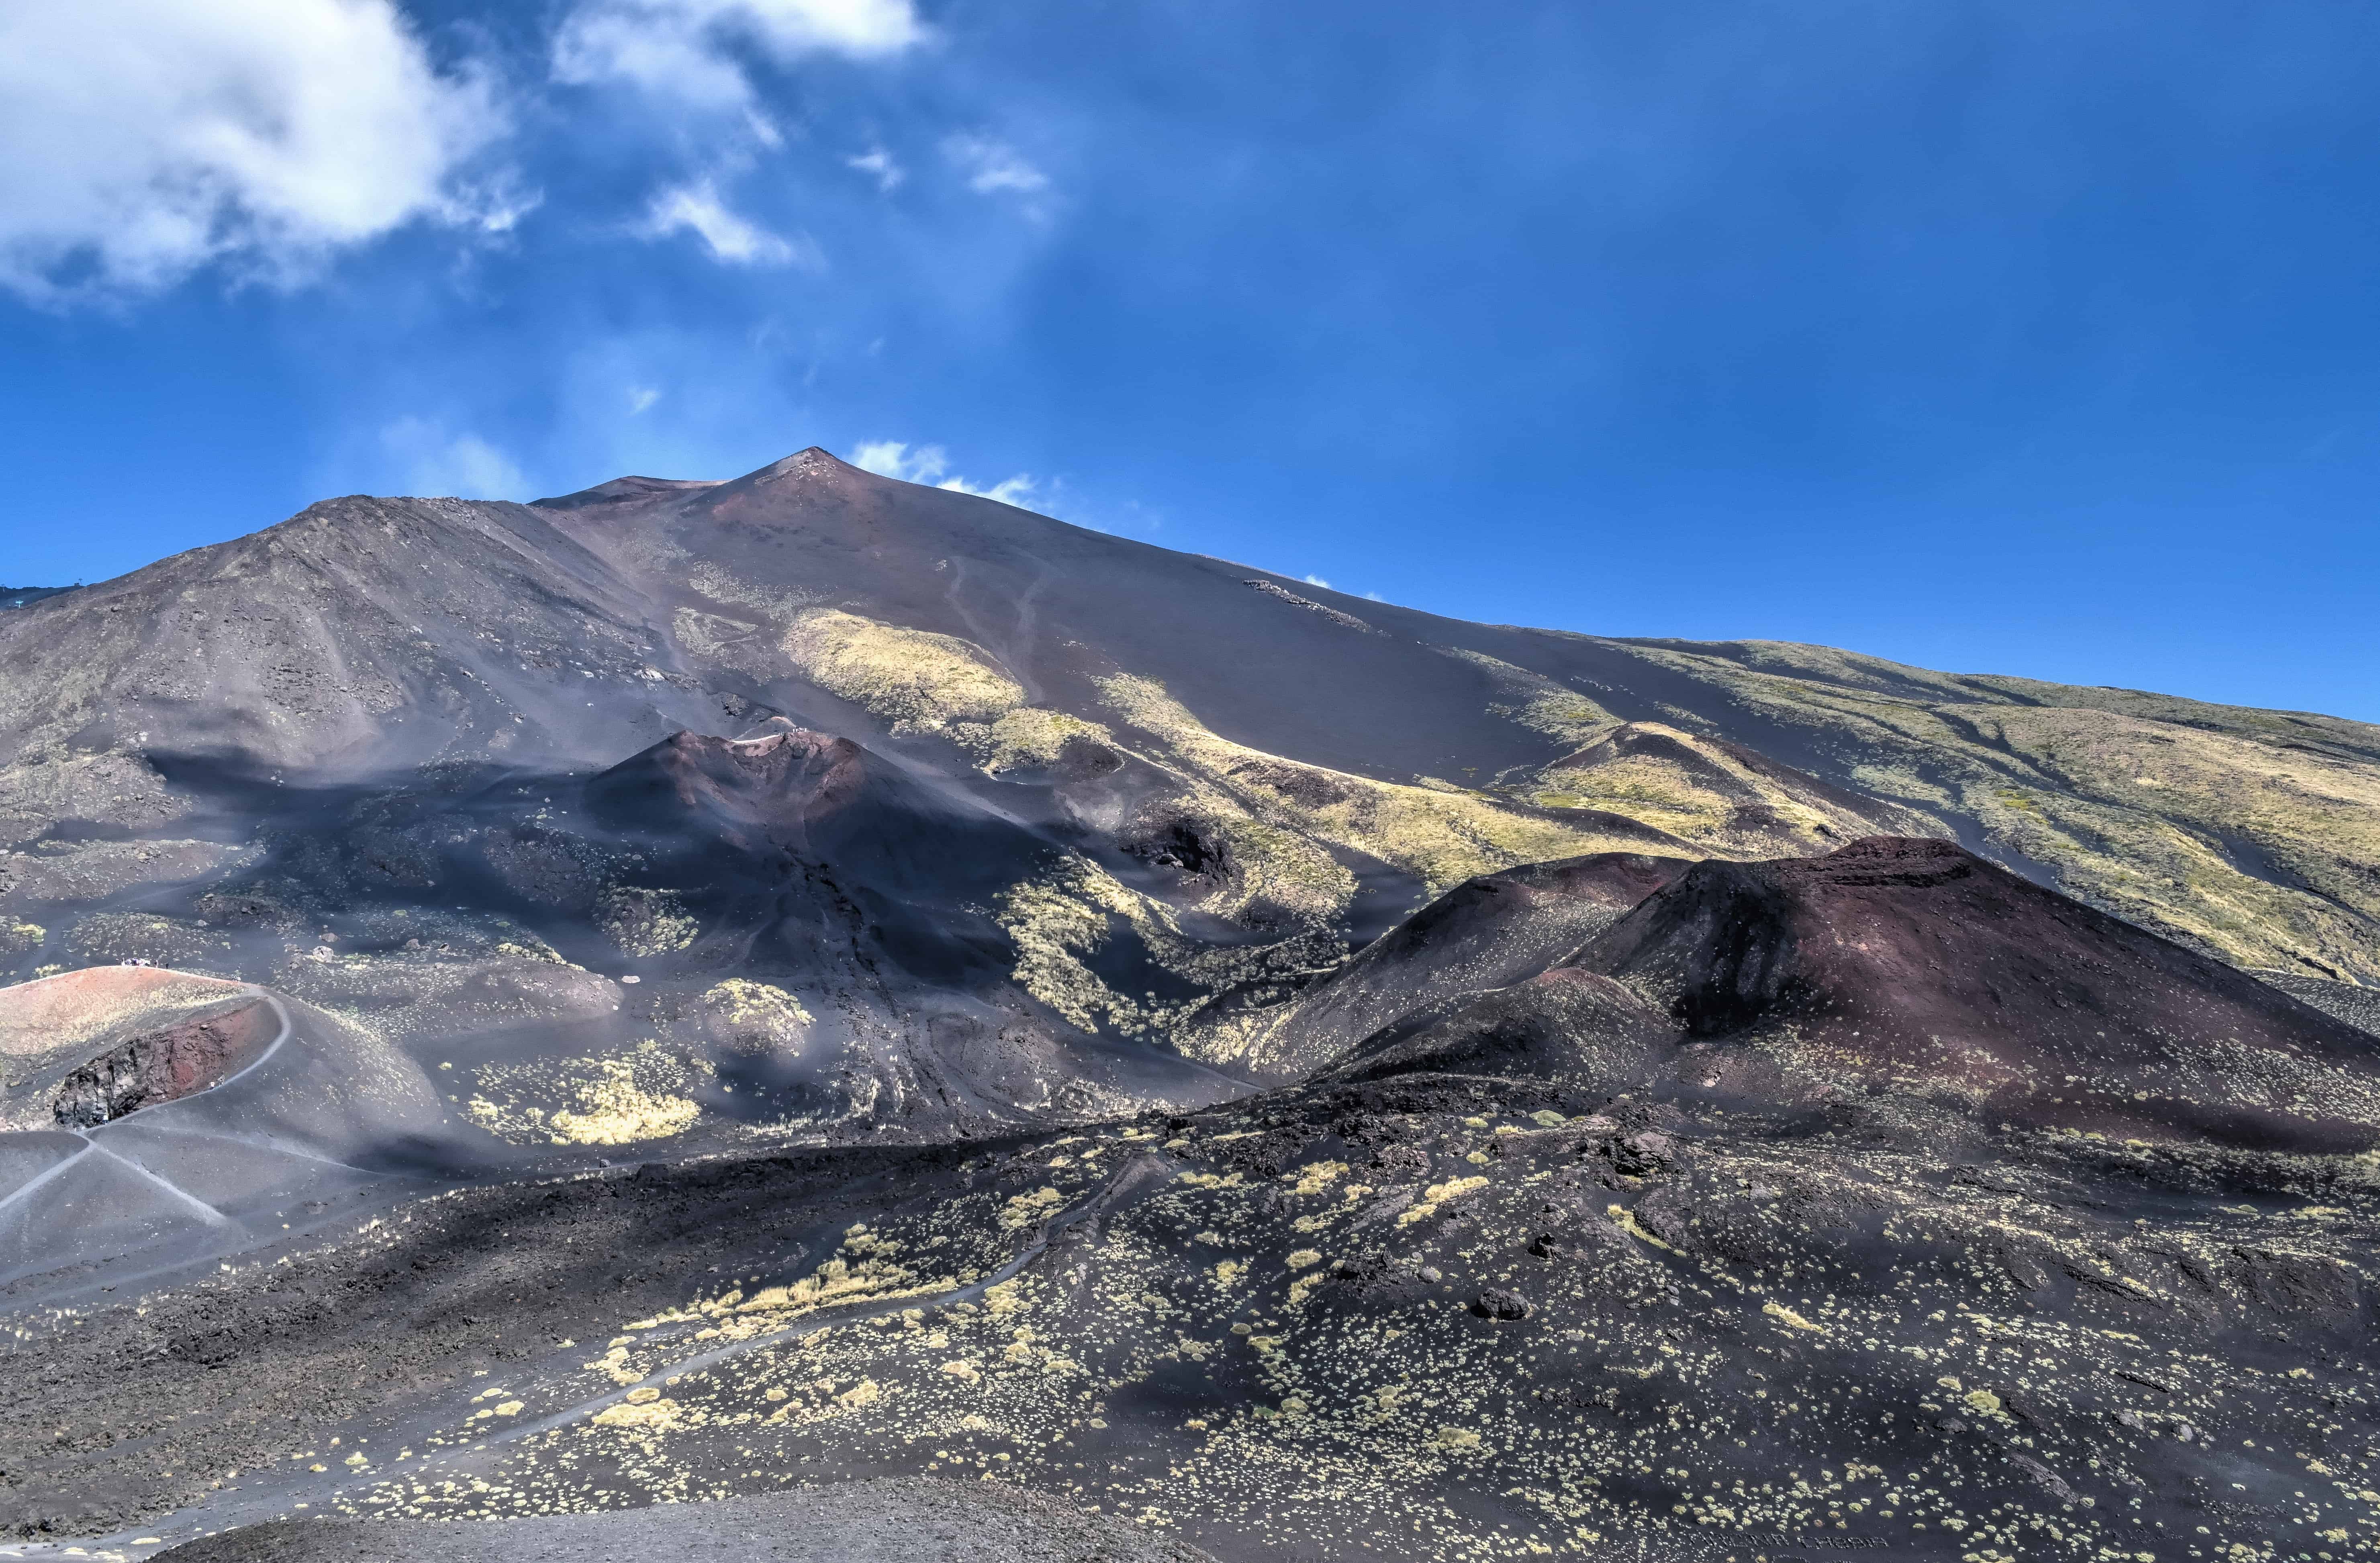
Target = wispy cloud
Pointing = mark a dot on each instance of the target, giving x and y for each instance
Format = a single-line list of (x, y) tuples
[(1008, 491), (931, 464), (685, 49), (1317, 580), (641, 398), (732, 240), (881, 166), (992, 167), (434, 461), (140, 139)]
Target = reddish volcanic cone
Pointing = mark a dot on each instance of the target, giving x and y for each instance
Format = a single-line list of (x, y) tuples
[(1915, 967)]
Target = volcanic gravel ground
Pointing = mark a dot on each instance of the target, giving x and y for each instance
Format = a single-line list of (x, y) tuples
[(1428, 1317), (195, 1390), (894, 1522)]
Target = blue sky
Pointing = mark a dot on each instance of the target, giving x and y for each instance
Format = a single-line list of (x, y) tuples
[(1996, 337)]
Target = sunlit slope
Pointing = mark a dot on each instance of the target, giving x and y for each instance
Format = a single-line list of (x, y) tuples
[(1449, 748), (2251, 833)]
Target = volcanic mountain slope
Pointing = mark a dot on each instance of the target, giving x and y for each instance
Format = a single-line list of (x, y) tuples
[(1301, 1072), (881, 891), (1486, 933), (1780, 1296), (356, 756), (1910, 967), (368, 633), (801, 910), (673, 818)]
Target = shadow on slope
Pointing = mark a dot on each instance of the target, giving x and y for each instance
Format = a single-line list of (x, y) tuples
[(889, 1520), (1487, 933)]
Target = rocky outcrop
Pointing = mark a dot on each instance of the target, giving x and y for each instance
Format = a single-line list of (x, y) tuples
[(160, 1066)]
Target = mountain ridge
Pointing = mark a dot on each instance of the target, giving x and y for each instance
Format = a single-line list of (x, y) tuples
[(1015, 655)]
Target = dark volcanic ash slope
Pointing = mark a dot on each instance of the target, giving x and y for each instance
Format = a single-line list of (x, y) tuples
[(1437, 1312), (887, 1521), (842, 877), (1908, 978), (1486, 933), (154, 1122), (1911, 968)]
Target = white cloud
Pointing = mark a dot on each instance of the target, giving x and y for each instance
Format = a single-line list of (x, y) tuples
[(928, 464), (1317, 580), (894, 458), (992, 166), (764, 130), (686, 49), (463, 466), (641, 398), (142, 139), (732, 240), (1008, 491), (879, 167)]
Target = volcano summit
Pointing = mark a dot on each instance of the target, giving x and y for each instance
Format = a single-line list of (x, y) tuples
[(723, 1014)]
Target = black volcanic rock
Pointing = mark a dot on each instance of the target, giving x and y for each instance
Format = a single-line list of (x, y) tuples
[(160, 1066)]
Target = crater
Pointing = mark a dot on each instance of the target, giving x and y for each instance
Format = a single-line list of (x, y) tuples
[(160, 1066)]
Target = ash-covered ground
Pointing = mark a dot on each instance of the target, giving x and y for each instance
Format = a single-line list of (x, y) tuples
[(1407, 1311), (1430, 1317)]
